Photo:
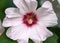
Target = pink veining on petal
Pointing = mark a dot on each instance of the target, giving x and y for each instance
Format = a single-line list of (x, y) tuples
[(30, 19)]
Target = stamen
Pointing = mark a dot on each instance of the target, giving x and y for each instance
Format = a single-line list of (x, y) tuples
[(30, 19)]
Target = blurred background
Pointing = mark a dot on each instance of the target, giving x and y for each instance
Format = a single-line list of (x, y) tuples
[(56, 29)]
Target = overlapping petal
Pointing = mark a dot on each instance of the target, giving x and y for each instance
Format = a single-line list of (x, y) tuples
[(33, 5), (40, 33), (19, 32), (47, 4), (22, 41), (41, 12), (48, 18), (58, 1), (26, 5), (34, 35), (12, 12), (12, 22)]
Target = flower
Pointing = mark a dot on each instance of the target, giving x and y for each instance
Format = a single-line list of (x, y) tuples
[(57, 10), (1, 28), (26, 22), (58, 1)]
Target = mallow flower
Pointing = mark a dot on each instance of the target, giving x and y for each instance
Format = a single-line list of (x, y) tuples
[(1, 28), (58, 1), (27, 22)]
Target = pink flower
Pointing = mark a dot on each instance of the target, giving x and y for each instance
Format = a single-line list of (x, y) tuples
[(58, 1), (26, 22)]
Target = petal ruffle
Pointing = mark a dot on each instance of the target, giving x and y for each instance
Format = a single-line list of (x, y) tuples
[(22, 41), (49, 20), (34, 36), (26, 5), (48, 17), (33, 5), (58, 1), (40, 32), (19, 33), (48, 5), (43, 32), (11, 22), (41, 12), (12, 12)]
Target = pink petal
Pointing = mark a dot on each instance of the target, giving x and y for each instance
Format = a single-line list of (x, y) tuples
[(11, 22), (12, 12)]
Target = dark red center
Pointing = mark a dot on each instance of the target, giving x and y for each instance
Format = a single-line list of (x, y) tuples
[(30, 19)]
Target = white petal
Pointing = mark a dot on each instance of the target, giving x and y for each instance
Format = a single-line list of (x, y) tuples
[(22, 5), (47, 4), (19, 32), (12, 12), (42, 32), (22, 41), (25, 5), (49, 20), (58, 1), (47, 17), (34, 35), (33, 5), (45, 9), (1, 28), (41, 12), (11, 22)]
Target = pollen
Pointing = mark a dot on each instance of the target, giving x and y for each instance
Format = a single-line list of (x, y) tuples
[(30, 19)]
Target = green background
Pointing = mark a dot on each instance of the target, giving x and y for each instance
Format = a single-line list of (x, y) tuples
[(4, 39)]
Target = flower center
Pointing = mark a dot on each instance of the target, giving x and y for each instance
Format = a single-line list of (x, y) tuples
[(30, 19)]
